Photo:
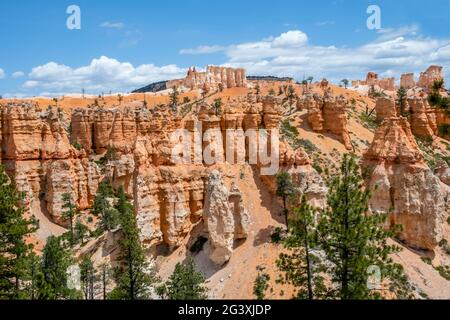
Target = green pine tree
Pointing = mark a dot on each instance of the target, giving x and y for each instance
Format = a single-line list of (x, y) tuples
[(184, 284), (81, 232), (88, 277), (15, 252), (354, 241), (102, 208), (345, 82), (69, 213), (105, 275), (291, 95), (402, 95), (218, 106), (174, 97), (133, 277), (301, 266), (261, 285), (257, 89), (285, 189), (52, 279)]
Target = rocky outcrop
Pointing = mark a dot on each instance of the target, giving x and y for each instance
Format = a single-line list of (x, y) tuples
[(131, 146), (407, 81), (385, 108), (225, 218), (372, 80), (304, 176), (37, 152), (314, 105), (403, 186), (428, 77), (423, 117), (442, 171), (443, 123), (329, 114), (214, 78)]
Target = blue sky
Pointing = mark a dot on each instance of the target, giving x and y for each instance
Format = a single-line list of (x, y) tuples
[(126, 44)]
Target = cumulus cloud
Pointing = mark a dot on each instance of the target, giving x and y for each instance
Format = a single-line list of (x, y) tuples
[(102, 74), (393, 52), (2, 74), (290, 39), (18, 74), (112, 25)]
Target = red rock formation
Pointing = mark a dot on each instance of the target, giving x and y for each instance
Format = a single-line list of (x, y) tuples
[(428, 77), (214, 77), (423, 118), (37, 152), (407, 81), (168, 196), (403, 186), (443, 122), (314, 105), (329, 114), (335, 118), (372, 80), (385, 108)]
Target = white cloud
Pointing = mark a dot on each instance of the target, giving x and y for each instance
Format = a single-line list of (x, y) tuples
[(391, 33), (394, 52), (202, 50), (102, 74), (18, 74), (112, 25), (294, 38), (2, 74)]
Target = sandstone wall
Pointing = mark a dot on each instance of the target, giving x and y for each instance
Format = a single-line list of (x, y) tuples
[(135, 147), (403, 186), (37, 152), (407, 81), (213, 78), (372, 80), (329, 114), (428, 77)]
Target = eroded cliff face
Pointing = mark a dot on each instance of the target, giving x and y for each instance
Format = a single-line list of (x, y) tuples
[(226, 219), (329, 114), (422, 118), (133, 147), (385, 108), (428, 77), (214, 78), (372, 80), (37, 152), (403, 186)]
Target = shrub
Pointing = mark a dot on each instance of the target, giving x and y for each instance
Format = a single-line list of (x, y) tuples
[(306, 144), (276, 236), (444, 272), (77, 146), (368, 121), (261, 285)]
